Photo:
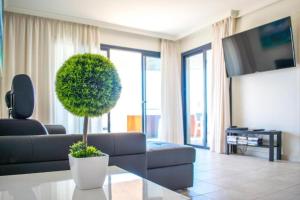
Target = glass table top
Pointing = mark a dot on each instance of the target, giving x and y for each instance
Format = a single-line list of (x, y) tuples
[(119, 185)]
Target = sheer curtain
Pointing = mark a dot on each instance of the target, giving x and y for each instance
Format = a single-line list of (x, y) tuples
[(220, 111), (27, 46), (172, 124), (38, 47), (71, 39)]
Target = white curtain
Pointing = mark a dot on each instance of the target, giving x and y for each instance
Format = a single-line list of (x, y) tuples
[(71, 39), (220, 110), (27, 46), (38, 47), (172, 124)]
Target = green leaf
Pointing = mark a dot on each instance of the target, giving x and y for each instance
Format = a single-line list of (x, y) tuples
[(81, 150)]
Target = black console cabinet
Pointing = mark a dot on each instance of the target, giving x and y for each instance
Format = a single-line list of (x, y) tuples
[(270, 146)]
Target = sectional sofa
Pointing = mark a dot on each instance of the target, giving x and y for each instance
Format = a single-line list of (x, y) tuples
[(28, 146), (167, 164)]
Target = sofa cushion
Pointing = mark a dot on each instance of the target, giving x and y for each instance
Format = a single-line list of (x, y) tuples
[(38, 153), (56, 147), (10, 127), (52, 147), (46, 148), (129, 143), (15, 149), (161, 154)]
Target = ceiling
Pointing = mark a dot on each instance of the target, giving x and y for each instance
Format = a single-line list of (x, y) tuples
[(171, 19)]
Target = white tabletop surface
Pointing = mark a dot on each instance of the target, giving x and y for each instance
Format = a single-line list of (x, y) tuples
[(119, 185)]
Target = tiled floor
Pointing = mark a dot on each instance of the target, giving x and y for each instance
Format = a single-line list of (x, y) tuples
[(235, 177)]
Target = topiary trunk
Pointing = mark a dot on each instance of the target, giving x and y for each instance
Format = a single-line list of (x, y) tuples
[(85, 129)]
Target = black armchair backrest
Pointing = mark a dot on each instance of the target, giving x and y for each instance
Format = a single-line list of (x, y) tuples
[(20, 102), (8, 99), (21, 97)]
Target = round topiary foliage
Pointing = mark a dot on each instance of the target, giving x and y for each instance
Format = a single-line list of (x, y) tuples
[(88, 85)]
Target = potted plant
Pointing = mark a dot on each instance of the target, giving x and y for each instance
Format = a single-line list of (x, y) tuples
[(88, 85)]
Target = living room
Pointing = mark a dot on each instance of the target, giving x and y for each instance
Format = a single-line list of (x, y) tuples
[(150, 99)]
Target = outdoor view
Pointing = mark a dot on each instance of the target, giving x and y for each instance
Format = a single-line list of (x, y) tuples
[(196, 94), (198, 83), (153, 94), (126, 116)]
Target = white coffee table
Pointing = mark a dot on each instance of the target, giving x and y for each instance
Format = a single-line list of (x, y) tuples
[(119, 185)]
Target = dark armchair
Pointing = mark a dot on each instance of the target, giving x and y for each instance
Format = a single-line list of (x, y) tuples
[(20, 103)]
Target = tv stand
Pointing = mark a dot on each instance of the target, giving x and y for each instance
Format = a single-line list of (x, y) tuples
[(271, 134)]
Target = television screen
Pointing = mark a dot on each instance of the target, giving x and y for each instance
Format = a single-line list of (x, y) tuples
[(264, 48)]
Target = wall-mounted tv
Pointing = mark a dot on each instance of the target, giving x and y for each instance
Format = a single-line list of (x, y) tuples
[(267, 47)]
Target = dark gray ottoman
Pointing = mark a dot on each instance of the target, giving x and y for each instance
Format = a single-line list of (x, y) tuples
[(170, 165)]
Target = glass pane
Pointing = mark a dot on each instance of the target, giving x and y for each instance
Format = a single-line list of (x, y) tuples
[(153, 94), (126, 116), (195, 96), (104, 53), (209, 90)]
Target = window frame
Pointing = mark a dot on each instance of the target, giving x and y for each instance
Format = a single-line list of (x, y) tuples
[(202, 49), (144, 54)]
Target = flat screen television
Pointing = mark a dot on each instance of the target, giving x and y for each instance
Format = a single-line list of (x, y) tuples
[(267, 47)]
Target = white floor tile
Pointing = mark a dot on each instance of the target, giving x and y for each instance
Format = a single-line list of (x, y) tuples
[(235, 177)]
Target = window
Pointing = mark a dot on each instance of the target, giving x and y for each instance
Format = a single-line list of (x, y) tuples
[(196, 67), (127, 114), (138, 109), (153, 96)]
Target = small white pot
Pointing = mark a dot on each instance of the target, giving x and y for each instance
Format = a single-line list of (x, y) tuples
[(89, 173), (98, 194)]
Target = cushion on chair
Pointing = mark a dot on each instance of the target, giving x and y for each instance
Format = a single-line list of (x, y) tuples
[(161, 154), (22, 97)]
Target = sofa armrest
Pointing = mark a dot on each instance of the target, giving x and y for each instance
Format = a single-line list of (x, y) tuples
[(55, 129)]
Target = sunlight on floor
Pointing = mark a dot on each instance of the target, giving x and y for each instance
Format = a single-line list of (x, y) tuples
[(234, 177)]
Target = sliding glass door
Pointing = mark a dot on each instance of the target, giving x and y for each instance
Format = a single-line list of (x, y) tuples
[(152, 96), (127, 114), (138, 109), (196, 96), (195, 69)]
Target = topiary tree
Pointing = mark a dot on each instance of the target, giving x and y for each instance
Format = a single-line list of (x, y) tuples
[(88, 85)]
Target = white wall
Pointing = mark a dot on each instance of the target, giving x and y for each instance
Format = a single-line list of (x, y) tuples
[(271, 99), (197, 39), (131, 40)]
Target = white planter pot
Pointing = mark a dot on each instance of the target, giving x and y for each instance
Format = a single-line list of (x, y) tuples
[(90, 172), (98, 194)]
